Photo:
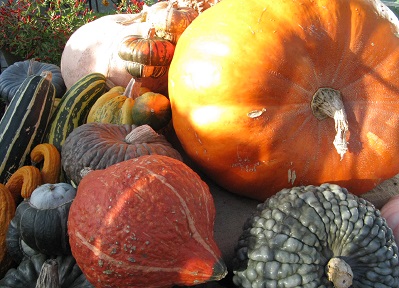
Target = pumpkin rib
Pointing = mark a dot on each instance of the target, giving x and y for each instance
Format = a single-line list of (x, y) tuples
[(23, 182), (51, 158), (99, 145)]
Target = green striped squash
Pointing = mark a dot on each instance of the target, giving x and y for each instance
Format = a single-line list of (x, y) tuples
[(74, 107), (24, 122)]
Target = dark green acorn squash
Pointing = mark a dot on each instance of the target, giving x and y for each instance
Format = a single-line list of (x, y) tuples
[(297, 236), (40, 223), (13, 76), (27, 273)]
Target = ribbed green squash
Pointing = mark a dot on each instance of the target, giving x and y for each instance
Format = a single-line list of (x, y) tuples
[(74, 107), (13, 76), (24, 122), (112, 107)]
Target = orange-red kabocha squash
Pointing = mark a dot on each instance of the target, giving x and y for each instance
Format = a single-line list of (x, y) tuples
[(273, 94), (145, 222)]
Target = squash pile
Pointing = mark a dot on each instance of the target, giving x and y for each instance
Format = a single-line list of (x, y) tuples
[(49, 146), (284, 102)]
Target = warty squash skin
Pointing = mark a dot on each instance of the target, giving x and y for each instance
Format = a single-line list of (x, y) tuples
[(294, 236), (145, 222), (241, 87)]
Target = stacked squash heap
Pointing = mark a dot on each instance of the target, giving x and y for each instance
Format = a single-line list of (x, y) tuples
[(255, 124), (34, 231)]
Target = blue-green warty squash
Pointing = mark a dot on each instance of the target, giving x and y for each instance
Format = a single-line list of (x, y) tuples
[(316, 236)]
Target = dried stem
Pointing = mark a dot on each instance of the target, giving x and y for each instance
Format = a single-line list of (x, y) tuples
[(339, 273), (327, 102)]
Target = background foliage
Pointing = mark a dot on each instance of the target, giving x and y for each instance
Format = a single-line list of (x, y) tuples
[(40, 28)]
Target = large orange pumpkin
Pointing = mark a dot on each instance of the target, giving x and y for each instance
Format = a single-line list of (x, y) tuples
[(245, 94)]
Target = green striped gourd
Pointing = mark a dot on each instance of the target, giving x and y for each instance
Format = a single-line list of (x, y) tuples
[(24, 122), (74, 107)]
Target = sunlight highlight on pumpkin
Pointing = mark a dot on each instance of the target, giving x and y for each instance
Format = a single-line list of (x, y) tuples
[(202, 268), (376, 142), (201, 74), (206, 115), (216, 49)]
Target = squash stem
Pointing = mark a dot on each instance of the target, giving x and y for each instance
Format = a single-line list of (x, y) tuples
[(327, 102), (133, 88), (339, 273), (48, 277)]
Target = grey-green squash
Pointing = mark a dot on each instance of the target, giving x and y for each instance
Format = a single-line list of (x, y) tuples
[(28, 271), (14, 75), (100, 145), (316, 236)]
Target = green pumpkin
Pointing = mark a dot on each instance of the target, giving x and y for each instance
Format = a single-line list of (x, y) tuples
[(316, 236), (152, 109), (28, 271), (13, 76), (40, 222)]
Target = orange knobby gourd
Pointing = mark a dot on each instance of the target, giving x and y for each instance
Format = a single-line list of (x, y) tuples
[(250, 87), (145, 222)]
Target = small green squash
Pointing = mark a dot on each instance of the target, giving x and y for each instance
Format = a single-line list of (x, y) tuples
[(41, 220), (28, 271), (152, 109), (115, 106)]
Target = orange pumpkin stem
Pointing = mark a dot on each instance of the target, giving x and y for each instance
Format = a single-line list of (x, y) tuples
[(327, 102)]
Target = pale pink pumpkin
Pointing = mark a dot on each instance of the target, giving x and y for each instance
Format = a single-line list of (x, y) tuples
[(94, 48), (390, 211)]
